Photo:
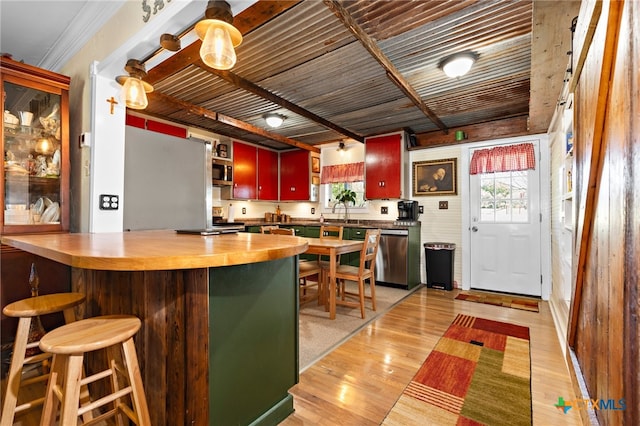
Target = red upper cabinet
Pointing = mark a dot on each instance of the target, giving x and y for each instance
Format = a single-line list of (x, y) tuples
[(244, 171), (295, 175), (267, 175), (383, 167)]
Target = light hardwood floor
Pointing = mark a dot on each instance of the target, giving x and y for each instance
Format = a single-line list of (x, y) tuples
[(358, 383)]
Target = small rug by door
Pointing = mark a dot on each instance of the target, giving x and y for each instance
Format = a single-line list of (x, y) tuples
[(479, 373), (500, 300)]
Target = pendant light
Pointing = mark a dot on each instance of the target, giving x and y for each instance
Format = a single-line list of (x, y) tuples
[(219, 37), (134, 90)]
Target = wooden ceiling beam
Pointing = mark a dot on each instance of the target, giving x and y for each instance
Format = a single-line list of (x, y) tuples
[(392, 72), (246, 21), (225, 119), (251, 87), (508, 127)]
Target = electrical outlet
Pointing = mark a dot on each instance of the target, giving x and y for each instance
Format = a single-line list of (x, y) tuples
[(313, 210), (244, 210), (443, 205), (384, 210), (420, 209), (109, 202)]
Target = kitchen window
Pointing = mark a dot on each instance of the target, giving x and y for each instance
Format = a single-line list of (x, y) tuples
[(332, 189), (335, 178)]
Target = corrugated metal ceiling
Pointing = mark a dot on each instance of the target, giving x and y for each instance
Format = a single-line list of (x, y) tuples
[(308, 57)]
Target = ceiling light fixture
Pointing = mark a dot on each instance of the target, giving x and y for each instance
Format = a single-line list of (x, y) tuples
[(134, 90), (219, 37), (458, 64), (273, 119), (341, 148)]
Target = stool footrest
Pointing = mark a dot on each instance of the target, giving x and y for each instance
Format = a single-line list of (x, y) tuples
[(29, 405), (95, 377), (37, 358), (37, 379), (101, 417), (105, 400)]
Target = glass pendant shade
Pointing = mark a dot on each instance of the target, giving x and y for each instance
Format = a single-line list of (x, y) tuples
[(217, 49), (134, 93)]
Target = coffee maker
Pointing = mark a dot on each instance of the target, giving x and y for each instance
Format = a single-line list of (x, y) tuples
[(408, 210)]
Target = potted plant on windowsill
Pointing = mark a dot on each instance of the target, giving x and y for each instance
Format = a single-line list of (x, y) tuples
[(345, 197)]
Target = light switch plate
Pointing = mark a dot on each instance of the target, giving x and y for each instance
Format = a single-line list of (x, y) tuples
[(443, 205), (244, 210)]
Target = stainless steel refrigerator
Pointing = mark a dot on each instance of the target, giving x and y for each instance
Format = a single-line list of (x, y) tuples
[(167, 181)]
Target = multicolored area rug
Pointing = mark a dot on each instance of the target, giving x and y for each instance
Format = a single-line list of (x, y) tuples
[(479, 373), (500, 300)]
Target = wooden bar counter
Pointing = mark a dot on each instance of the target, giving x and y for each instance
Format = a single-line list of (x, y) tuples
[(219, 341)]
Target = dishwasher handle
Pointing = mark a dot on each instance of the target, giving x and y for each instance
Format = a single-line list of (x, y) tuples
[(401, 232)]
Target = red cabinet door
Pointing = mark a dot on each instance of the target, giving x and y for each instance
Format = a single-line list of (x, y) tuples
[(383, 164), (294, 176), (267, 175), (244, 171)]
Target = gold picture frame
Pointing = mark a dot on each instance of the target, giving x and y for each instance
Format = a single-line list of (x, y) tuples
[(315, 164), (435, 177)]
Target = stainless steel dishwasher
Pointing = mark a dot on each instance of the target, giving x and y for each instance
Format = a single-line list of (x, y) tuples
[(392, 262)]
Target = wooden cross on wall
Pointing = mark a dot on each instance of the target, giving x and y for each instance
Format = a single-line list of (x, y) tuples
[(113, 102)]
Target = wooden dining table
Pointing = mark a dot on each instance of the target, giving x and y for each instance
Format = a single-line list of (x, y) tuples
[(332, 248)]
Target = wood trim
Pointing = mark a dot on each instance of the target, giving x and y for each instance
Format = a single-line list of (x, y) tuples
[(392, 72), (251, 87), (591, 10), (20, 69), (508, 127), (596, 159), (195, 109)]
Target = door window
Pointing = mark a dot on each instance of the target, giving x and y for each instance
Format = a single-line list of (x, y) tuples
[(504, 197)]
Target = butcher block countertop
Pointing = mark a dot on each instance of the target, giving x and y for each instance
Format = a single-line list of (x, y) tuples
[(156, 250)]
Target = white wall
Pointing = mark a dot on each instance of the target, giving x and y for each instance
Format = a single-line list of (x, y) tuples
[(441, 225)]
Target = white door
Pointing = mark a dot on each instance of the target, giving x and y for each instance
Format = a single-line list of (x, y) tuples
[(505, 228)]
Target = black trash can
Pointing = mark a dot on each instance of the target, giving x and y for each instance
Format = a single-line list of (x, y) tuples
[(439, 265)]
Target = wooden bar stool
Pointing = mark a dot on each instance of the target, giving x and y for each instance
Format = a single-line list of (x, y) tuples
[(26, 310), (68, 344)]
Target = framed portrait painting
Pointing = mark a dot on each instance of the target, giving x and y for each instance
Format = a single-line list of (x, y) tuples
[(435, 177)]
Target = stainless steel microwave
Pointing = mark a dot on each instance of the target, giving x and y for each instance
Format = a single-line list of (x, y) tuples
[(222, 170)]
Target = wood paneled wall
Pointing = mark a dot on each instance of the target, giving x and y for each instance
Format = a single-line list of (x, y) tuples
[(604, 331)]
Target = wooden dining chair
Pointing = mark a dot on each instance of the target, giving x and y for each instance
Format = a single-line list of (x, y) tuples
[(275, 229), (327, 232), (266, 229), (283, 231), (306, 269), (365, 271)]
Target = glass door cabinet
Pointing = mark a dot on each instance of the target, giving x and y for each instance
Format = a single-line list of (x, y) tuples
[(35, 146)]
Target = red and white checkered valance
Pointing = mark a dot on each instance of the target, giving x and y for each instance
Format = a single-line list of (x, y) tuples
[(503, 159), (340, 173)]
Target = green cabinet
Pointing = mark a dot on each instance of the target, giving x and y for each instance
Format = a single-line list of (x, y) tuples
[(305, 231)]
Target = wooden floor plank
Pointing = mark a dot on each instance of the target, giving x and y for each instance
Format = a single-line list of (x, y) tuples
[(359, 382)]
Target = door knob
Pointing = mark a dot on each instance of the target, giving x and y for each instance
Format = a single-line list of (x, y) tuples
[(474, 229)]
